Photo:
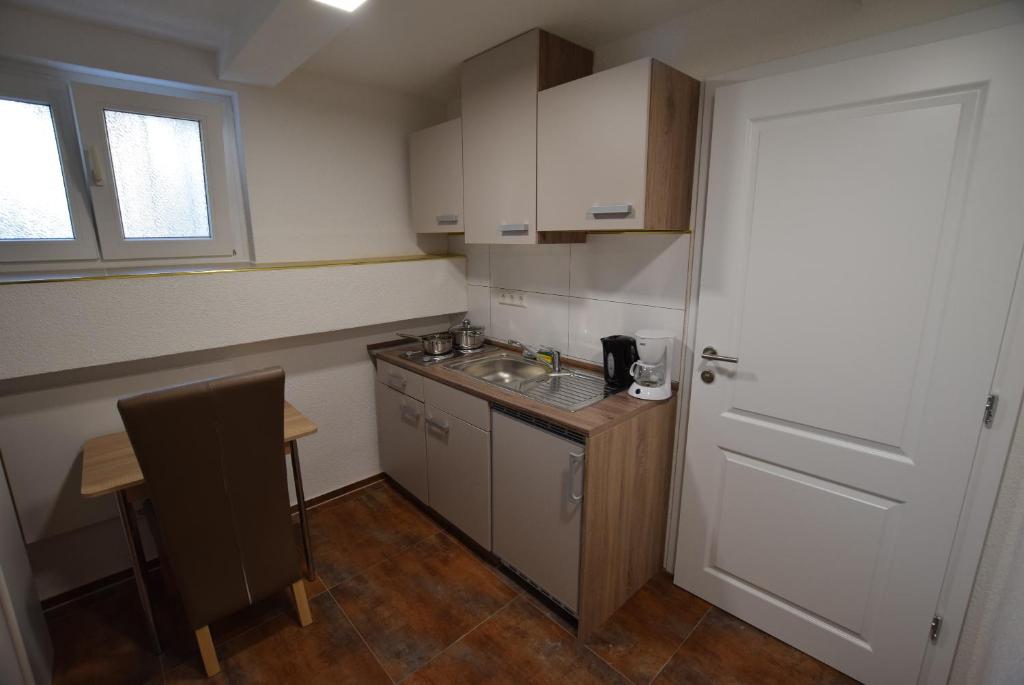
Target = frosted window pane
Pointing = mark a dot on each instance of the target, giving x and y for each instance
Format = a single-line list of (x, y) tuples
[(159, 175), (33, 199)]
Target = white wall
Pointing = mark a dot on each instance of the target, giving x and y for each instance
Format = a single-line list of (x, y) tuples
[(576, 294), (325, 165)]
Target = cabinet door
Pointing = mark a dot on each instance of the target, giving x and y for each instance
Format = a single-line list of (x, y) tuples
[(499, 132), (401, 440), (592, 151), (435, 178), (538, 484), (459, 471)]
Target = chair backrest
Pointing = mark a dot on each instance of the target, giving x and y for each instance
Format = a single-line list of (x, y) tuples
[(212, 456)]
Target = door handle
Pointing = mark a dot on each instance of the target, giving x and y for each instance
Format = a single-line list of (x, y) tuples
[(711, 354), (575, 459)]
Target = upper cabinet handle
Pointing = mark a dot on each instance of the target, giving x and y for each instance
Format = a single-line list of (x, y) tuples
[(447, 219), (611, 211), (92, 161), (514, 229)]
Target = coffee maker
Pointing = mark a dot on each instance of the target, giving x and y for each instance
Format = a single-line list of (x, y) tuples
[(652, 372), (619, 355)]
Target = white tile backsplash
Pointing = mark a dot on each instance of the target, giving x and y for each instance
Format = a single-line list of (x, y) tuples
[(544, 320), (534, 268), (591, 320), (638, 269), (576, 294)]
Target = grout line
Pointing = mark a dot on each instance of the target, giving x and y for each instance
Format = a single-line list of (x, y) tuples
[(459, 639), (365, 643), (611, 666), (692, 631)]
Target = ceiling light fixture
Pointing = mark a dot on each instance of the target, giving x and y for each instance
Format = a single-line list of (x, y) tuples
[(347, 5)]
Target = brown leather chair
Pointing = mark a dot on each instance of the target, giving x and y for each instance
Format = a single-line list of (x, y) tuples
[(211, 453)]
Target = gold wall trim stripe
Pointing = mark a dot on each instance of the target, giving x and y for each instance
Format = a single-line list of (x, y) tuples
[(28, 279)]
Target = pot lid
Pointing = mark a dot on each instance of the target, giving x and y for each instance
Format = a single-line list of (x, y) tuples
[(466, 327)]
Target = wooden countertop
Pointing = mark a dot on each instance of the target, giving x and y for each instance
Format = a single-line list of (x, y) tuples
[(591, 420)]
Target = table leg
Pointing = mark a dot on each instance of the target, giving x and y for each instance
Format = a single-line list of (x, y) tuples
[(307, 546), (138, 559)]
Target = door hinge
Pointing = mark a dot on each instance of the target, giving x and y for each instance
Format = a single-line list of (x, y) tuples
[(991, 404), (935, 628)]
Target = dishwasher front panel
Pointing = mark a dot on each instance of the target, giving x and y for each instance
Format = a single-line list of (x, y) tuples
[(537, 485)]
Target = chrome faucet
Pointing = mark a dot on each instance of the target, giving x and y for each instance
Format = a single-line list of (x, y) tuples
[(532, 352)]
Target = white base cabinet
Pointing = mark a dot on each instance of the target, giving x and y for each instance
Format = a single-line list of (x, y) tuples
[(459, 473), (401, 440), (538, 493)]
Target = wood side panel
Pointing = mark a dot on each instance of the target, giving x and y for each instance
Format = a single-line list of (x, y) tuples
[(560, 237), (562, 61), (671, 147), (626, 491)]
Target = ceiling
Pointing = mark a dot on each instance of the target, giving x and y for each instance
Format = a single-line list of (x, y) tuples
[(413, 46), (417, 45)]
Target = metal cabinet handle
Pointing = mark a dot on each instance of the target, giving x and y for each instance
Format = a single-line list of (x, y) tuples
[(514, 229), (439, 425), (575, 459), (711, 354), (397, 379), (410, 412), (447, 219), (611, 211)]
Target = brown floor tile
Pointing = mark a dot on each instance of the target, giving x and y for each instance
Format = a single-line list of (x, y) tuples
[(645, 632), (724, 649), (314, 588), (517, 645), (412, 606), (354, 532), (280, 651), (103, 639)]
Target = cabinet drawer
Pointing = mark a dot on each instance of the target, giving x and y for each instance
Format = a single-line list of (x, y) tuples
[(459, 473), (400, 379), (472, 410)]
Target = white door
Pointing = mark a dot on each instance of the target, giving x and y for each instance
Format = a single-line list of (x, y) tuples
[(864, 227)]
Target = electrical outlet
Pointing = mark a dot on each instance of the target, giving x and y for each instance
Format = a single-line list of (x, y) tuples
[(511, 299)]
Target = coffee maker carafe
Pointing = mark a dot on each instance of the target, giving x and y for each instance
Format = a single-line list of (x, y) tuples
[(652, 372)]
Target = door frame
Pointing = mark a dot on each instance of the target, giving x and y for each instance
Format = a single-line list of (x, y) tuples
[(993, 445)]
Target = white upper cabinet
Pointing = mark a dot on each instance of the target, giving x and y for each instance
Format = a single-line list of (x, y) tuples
[(435, 178), (615, 150), (499, 131)]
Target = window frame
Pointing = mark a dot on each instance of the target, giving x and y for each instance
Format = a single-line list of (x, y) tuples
[(226, 227), (53, 92)]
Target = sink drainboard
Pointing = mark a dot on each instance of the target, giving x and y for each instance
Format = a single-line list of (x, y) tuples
[(571, 392)]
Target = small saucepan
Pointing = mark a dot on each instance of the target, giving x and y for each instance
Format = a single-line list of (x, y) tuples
[(467, 336), (434, 344)]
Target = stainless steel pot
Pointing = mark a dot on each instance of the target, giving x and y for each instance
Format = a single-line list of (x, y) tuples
[(434, 344), (467, 336)]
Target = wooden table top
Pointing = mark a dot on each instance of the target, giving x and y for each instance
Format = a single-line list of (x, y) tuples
[(109, 463)]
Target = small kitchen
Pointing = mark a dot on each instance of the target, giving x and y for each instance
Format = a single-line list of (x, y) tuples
[(615, 344)]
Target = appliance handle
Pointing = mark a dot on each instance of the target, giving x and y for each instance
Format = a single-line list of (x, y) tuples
[(575, 459)]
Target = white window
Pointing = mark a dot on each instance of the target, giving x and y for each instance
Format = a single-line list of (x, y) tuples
[(157, 169), (44, 214)]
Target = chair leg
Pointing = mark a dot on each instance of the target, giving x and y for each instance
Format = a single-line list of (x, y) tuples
[(301, 603), (207, 651)]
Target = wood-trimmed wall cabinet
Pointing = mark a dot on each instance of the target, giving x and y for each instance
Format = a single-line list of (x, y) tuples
[(615, 150), (499, 131), (435, 178)]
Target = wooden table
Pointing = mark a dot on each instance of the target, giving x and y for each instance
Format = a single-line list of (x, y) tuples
[(109, 466)]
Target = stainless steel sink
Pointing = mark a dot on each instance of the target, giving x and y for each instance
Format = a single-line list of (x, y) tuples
[(503, 369), (570, 390)]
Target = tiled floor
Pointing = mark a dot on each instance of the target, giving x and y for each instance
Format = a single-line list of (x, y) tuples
[(399, 600)]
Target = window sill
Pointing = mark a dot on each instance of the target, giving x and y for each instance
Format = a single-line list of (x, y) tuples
[(194, 270)]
